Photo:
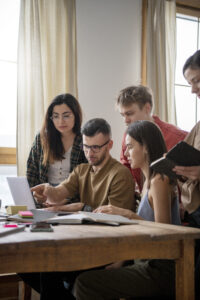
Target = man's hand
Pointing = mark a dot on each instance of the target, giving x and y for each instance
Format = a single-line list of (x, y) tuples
[(49, 194), (72, 207), (189, 172), (115, 265), (38, 192)]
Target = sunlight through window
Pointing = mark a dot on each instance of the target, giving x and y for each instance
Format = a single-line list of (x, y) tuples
[(9, 24), (187, 43)]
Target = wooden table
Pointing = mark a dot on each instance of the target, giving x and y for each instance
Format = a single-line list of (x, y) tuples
[(76, 247)]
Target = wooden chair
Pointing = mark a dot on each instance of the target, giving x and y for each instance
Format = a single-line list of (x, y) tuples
[(10, 287)]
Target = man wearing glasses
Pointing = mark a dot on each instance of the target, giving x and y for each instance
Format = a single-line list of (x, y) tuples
[(101, 181)]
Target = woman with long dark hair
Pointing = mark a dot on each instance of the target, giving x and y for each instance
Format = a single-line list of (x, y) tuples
[(149, 278), (57, 148)]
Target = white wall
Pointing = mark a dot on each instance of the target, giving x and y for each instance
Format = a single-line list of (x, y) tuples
[(109, 47)]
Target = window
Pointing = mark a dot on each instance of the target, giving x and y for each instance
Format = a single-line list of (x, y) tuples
[(188, 41), (5, 194), (9, 25)]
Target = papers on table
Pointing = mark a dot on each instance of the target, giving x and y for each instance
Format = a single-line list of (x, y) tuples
[(6, 229), (80, 217)]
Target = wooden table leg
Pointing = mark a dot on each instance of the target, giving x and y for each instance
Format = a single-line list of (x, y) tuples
[(185, 272), (26, 291)]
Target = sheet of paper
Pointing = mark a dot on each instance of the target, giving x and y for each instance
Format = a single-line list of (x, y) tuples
[(10, 230)]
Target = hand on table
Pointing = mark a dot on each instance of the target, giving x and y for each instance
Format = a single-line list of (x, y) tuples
[(114, 210)]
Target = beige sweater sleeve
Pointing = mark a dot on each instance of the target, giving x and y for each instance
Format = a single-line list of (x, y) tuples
[(190, 189)]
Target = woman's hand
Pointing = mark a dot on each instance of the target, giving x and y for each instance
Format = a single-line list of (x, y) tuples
[(189, 172), (114, 210)]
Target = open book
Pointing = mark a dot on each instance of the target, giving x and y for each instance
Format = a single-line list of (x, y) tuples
[(39, 215), (182, 154), (89, 217)]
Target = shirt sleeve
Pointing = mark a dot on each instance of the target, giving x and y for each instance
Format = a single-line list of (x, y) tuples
[(190, 189), (32, 171), (122, 190), (72, 183)]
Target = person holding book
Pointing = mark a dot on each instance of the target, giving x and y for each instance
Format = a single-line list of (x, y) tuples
[(190, 185), (144, 144), (136, 103), (56, 150)]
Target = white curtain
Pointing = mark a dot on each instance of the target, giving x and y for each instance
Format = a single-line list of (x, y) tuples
[(161, 56), (46, 65)]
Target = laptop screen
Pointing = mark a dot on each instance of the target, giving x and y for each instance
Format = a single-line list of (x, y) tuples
[(20, 191)]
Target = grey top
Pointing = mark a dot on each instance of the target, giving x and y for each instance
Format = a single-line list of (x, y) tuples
[(146, 212)]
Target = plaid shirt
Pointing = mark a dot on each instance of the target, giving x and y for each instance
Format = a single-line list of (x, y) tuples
[(37, 172)]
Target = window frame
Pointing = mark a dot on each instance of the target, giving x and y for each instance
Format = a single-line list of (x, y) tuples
[(7, 156), (191, 7), (188, 14)]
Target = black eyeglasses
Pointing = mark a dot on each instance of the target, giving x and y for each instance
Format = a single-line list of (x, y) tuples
[(65, 118), (94, 148)]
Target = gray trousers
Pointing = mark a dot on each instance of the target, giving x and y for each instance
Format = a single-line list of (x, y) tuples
[(149, 278)]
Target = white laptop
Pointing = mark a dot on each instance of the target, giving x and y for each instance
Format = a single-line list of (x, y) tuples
[(21, 192), (22, 195)]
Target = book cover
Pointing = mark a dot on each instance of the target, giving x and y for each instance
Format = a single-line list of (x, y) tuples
[(182, 154)]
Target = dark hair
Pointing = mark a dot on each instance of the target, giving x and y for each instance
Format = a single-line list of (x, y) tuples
[(135, 94), (148, 134), (95, 126), (50, 137), (192, 62)]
